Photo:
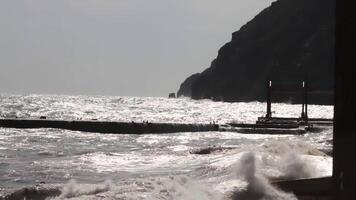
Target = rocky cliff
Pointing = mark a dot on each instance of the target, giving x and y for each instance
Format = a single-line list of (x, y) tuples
[(289, 41), (185, 88)]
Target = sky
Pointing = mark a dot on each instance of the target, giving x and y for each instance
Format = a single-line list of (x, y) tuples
[(113, 47)]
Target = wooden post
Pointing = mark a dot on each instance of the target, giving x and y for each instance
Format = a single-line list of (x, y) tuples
[(306, 101), (303, 101), (269, 87)]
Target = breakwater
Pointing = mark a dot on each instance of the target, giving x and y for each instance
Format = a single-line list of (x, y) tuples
[(107, 126), (262, 126)]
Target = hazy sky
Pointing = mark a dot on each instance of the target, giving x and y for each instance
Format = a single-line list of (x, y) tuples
[(113, 47)]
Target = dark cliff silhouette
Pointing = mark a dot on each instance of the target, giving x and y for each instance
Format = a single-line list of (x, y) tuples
[(186, 87), (290, 41)]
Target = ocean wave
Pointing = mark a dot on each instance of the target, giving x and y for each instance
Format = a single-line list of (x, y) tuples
[(73, 189), (157, 166), (250, 182), (257, 185), (244, 179)]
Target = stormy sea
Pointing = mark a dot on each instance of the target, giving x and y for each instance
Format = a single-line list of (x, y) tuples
[(82, 165)]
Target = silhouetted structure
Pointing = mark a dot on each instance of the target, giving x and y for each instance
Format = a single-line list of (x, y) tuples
[(269, 87), (344, 138), (344, 153), (300, 89), (107, 126)]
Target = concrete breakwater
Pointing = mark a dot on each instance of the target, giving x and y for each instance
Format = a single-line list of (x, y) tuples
[(107, 126), (274, 127)]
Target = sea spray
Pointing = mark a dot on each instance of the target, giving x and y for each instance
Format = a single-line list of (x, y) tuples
[(74, 189), (282, 146), (258, 187), (274, 159), (184, 188), (178, 187), (245, 179), (295, 167), (292, 159)]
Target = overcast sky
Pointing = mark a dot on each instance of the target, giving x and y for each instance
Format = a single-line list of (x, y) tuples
[(113, 47)]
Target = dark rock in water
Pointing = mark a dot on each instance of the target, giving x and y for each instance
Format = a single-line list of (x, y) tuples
[(202, 151), (38, 192), (328, 152), (286, 42), (209, 150), (172, 95), (43, 117)]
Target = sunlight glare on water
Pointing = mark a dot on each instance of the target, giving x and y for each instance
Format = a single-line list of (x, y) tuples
[(152, 166)]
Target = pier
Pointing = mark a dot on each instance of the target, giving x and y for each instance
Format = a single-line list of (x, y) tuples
[(107, 126), (97, 126), (294, 126)]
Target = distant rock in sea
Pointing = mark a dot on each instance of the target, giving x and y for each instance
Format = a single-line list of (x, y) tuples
[(172, 95), (289, 41)]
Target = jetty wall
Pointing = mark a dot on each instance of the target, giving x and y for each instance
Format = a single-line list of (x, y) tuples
[(107, 126)]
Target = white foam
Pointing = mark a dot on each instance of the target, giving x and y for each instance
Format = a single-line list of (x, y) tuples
[(149, 155), (258, 187), (73, 189), (295, 167), (183, 188)]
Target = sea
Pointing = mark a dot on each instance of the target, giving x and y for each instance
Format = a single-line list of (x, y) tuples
[(157, 166)]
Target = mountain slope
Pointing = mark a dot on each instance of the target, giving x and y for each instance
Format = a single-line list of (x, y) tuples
[(289, 41)]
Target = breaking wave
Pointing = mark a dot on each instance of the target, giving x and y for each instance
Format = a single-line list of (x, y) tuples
[(257, 185), (251, 182), (73, 189)]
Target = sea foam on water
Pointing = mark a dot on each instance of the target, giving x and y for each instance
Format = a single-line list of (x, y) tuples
[(156, 166), (254, 184), (74, 189), (247, 169)]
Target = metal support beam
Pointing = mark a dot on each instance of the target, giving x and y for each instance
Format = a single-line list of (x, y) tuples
[(306, 101), (269, 87), (303, 102)]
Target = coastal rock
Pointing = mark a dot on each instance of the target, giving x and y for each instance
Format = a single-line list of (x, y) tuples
[(186, 87), (289, 41), (209, 150), (38, 192), (172, 95)]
